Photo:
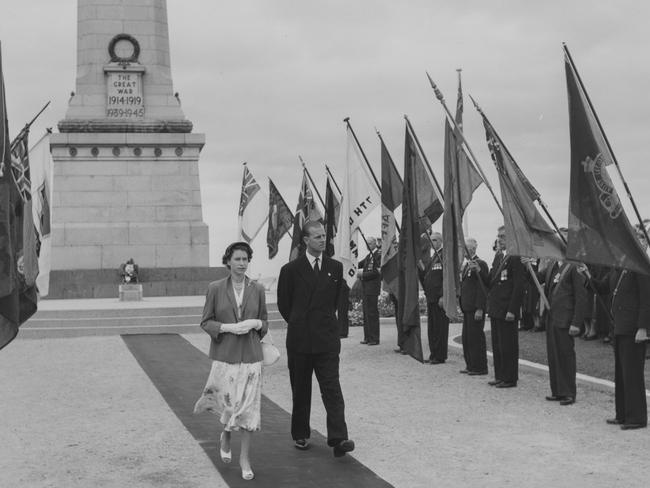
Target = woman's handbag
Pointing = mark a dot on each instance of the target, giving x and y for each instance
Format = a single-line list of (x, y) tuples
[(269, 351)]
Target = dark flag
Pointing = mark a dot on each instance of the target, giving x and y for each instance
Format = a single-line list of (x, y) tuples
[(280, 219), (528, 233), (391, 198), (461, 179), (17, 301), (306, 210), (332, 211), (599, 230), (409, 252), (430, 203)]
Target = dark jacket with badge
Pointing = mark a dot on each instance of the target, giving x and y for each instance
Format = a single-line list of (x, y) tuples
[(630, 300), (431, 276), (371, 274), (506, 286), (472, 291), (308, 303), (566, 292)]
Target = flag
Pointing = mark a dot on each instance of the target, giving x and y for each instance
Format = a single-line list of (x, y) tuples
[(461, 179), (528, 233), (306, 211), (430, 203), (21, 173), (360, 197), (40, 161), (391, 198), (252, 207), (280, 219), (599, 230), (17, 300), (332, 212), (408, 299)]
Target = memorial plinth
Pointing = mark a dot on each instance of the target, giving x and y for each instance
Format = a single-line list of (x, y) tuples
[(126, 176)]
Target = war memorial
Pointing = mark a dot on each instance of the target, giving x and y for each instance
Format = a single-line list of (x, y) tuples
[(98, 388)]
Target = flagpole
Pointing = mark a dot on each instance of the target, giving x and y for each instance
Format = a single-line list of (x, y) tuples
[(474, 161), (347, 121), (28, 125), (341, 193), (424, 157), (609, 147), (304, 168), (441, 98), (395, 169)]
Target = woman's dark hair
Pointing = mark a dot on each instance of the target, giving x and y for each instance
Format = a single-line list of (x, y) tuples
[(236, 246)]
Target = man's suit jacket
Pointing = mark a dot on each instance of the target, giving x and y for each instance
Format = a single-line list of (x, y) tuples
[(472, 294), (630, 300), (308, 304), (431, 277), (371, 274), (506, 287), (221, 308), (567, 295)]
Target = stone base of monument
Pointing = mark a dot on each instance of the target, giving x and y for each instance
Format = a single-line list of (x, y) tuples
[(156, 282), (130, 293)]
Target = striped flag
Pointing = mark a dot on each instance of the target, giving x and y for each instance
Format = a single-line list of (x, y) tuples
[(306, 211), (280, 219)]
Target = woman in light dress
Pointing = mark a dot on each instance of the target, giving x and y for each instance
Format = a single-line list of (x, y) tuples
[(235, 317)]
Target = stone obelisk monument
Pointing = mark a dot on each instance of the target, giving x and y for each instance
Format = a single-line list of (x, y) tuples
[(126, 179)]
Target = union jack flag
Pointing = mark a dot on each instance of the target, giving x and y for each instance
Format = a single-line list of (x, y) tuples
[(253, 212), (249, 187)]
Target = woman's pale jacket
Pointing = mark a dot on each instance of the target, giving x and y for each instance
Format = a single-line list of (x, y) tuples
[(221, 308)]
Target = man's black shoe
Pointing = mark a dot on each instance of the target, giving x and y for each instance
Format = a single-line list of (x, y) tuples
[(633, 426), (506, 384), (553, 398), (568, 401), (614, 422), (477, 373), (463, 371), (343, 447), (373, 343), (363, 342), (302, 444), (436, 361), (494, 382)]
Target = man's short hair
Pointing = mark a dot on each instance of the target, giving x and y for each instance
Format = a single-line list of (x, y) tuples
[(307, 226)]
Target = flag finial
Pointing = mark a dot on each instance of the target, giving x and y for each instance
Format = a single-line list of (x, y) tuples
[(476, 105), (435, 88)]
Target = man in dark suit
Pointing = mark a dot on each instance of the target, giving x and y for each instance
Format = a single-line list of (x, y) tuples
[(370, 276), (567, 295), (506, 284), (430, 275), (631, 311), (308, 294), (474, 276)]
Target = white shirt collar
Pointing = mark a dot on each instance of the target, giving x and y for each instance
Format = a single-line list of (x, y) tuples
[(312, 260)]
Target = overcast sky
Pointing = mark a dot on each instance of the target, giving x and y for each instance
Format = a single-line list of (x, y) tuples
[(267, 81)]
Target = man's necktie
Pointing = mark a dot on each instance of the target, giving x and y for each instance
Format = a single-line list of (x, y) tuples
[(316, 268)]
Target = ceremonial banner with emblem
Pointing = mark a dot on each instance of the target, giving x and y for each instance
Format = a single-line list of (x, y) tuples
[(17, 300), (599, 230), (306, 211), (391, 198), (360, 197), (252, 207), (409, 252), (280, 220), (528, 233)]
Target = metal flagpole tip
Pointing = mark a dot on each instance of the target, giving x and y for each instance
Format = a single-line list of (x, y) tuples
[(347, 119)]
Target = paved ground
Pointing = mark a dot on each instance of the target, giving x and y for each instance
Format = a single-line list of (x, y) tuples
[(80, 412)]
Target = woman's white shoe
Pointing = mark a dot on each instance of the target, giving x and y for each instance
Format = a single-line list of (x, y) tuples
[(226, 456), (247, 474)]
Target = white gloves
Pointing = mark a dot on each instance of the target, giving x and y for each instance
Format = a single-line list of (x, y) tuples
[(242, 327)]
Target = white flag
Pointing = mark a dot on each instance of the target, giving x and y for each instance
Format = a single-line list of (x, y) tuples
[(253, 207), (360, 197), (40, 162)]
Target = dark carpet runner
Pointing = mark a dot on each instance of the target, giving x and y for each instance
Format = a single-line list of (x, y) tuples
[(179, 371)]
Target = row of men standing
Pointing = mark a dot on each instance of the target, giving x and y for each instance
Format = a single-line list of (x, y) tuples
[(499, 292)]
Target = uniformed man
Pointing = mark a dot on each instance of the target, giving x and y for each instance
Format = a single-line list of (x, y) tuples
[(370, 275), (430, 274), (474, 276), (506, 283)]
